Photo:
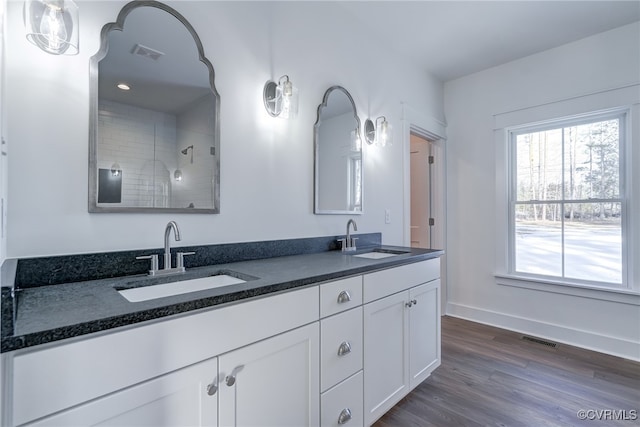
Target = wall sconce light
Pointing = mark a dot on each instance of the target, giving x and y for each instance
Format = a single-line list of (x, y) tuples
[(378, 133), (52, 25), (281, 99), (115, 169), (177, 175)]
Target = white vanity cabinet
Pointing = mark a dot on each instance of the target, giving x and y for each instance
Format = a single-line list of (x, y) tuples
[(174, 371), (341, 353), (401, 333)]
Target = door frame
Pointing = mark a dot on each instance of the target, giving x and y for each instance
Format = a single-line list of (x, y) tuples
[(421, 124)]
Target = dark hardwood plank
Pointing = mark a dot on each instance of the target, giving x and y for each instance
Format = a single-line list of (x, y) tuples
[(492, 377)]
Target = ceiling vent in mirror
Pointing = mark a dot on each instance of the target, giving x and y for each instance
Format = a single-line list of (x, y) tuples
[(147, 52)]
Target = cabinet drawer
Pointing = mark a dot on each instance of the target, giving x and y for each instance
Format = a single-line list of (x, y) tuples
[(386, 282), (341, 347), (340, 295), (343, 404)]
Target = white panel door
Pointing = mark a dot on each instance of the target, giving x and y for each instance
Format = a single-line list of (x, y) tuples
[(273, 383), (385, 354), (186, 397), (424, 331)]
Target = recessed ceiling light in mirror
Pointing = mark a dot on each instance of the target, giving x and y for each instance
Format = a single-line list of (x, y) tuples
[(123, 86)]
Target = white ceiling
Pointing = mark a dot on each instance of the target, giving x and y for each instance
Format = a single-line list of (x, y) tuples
[(456, 38)]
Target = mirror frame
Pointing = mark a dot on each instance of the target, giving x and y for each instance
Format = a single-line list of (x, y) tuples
[(325, 99), (93, 113)]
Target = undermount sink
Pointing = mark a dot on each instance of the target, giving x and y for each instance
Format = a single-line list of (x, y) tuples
[(380, 253), (145, 293)]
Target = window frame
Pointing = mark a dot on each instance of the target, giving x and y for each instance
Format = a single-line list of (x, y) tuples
[(624, 155)]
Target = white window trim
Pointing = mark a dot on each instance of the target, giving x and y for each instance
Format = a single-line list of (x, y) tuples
[(623, 99)]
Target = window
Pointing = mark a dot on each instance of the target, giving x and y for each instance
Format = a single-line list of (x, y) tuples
[(567, 200)]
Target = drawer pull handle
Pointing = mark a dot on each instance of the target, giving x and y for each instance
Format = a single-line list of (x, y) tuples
[(212, 388), (344, 349), (344, 297), (345, 416)]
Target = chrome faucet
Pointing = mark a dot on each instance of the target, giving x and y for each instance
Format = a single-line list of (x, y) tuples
[(167, 249), (166, 268), (349, 243)]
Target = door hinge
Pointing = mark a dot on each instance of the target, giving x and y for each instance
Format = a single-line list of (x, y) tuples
[(432, 222), (431, 160)]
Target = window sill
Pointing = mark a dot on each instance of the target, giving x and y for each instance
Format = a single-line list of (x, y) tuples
[(619, 295)]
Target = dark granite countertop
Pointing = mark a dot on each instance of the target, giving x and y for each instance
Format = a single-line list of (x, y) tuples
[(37, 315)]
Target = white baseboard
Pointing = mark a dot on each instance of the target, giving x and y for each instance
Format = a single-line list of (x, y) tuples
[(619, 347)]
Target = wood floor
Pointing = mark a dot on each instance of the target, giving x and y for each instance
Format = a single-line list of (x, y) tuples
[(492, 377)]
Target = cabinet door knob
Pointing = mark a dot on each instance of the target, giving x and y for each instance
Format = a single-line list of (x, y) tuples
[(212, 388), (343, 297), (414, 301), (408, 304), (230, 380), (344, 416), (344, 349)]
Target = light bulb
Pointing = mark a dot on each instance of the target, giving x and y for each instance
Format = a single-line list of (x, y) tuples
[(52, 26), (287, 88)]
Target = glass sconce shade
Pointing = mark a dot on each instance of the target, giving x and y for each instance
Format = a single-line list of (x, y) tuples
[(385, 137), (177, 175), (281, 99), (52, 25), (115, 169), (378, 133)]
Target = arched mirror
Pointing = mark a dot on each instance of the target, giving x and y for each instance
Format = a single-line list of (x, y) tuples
[(154, 142), (338, 155)]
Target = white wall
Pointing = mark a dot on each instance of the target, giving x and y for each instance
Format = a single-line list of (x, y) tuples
[(593, 320), (266, 163)]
